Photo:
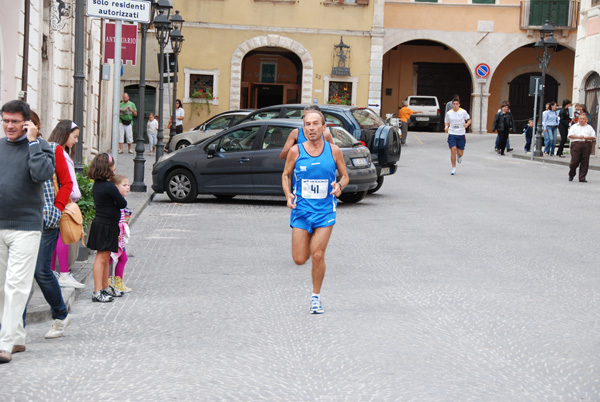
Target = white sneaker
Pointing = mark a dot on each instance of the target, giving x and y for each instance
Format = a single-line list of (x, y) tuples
[(57, 274), (459, 159), (66, 280), (58, 328), (315, 305), (453, 171)]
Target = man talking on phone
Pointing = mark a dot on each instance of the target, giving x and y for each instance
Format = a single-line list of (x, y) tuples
[(26, 162)]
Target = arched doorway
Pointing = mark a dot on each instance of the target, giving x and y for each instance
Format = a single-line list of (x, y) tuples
[(521, 104), (592, 93), (270, 76), (424, 67)]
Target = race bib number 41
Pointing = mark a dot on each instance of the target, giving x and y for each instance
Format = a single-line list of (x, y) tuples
[(314, 189)]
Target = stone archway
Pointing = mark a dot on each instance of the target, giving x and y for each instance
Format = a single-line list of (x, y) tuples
[(271, 41)]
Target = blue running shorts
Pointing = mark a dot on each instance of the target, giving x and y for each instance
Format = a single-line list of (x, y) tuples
[(457, 141), (309, 221)]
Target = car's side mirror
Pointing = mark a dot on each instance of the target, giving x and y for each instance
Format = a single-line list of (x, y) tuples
[(212, 150)]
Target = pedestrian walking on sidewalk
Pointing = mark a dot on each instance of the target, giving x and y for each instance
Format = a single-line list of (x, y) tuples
[(120, 257), (504, 124), (66, 134), (550, 123), (312, 196), (127, 111), (456, 122), (104, 232), (26, 162), (152, 130), (564, 121), (582, 138), (528, 133), (56, 197)]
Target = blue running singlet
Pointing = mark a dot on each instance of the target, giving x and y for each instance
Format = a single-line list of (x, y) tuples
[(313, 179)]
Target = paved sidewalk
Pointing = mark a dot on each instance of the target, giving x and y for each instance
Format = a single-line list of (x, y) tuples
[(37, 309)]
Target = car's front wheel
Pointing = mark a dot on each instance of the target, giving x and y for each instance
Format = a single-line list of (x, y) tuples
[(181, 186), (182, 144), (351, 198), (379, 184)]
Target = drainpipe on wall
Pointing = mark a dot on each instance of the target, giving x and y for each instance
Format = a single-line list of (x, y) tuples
[(24, 72)]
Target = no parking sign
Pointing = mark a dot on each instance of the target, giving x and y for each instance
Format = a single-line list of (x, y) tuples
[(482, 70)]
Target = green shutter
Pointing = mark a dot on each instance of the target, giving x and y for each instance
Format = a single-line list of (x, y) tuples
[(556, 11)]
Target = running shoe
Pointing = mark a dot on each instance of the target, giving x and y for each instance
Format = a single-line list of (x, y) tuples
[(453, 171), (112, 292), (102, 297), (315, 305), (459, 160)]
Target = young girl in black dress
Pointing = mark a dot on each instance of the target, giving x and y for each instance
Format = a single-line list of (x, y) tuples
[(104, 233)]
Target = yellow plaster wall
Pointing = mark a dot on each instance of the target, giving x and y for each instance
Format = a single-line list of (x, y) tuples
[(304, 13), (398, 71), (445, 17), (207, 49)]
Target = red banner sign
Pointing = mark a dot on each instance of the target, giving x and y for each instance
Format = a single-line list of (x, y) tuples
[(128, 43)]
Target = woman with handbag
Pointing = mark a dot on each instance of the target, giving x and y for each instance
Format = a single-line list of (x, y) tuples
[(66, 135)]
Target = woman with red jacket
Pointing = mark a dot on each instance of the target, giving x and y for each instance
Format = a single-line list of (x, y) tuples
[(66, 135)]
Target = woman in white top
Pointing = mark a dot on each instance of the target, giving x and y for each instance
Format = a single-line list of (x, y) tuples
[(179, 115), (66, 134)]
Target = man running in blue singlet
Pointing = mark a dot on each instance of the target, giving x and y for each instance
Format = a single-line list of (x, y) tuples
[(297, 135), (312, 196)]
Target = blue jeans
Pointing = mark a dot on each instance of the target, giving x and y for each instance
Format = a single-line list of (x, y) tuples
[(550, 139), (45, 277)]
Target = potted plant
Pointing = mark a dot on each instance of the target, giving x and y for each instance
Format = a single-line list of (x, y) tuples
[(200, 99), (340, 100)]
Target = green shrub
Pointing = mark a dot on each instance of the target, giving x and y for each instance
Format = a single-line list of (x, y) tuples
[(86, 202)]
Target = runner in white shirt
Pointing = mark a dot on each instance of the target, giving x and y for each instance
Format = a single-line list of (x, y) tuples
[(456, 122)]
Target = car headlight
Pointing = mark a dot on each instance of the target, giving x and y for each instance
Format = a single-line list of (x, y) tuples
[(165, 157)]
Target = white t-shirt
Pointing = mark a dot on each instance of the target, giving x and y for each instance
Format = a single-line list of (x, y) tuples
[(456, 121), (152, 127), (179, 113)]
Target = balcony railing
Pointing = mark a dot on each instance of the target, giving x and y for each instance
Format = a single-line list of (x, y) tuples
[(564, 14)]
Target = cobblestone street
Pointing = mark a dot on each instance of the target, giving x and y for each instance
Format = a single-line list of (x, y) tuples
[(482, 286)]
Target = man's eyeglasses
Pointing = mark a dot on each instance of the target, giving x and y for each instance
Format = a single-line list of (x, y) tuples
[(14, 122)]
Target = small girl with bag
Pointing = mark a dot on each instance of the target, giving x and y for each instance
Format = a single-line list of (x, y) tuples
[(120, 257), (104, 232), (66, 134)]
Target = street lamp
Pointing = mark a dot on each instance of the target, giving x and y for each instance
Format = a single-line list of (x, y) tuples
[(138, 184), (163, 30), (176, 43), (544, 50)]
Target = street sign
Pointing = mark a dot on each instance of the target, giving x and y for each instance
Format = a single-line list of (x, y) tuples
[(124, 10), (532, 83), (128, 42), (482, 70)]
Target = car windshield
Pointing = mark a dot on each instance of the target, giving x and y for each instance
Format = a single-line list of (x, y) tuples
[(366, 118), (238, 140), (423, 102), (266, 115), (342, 138)]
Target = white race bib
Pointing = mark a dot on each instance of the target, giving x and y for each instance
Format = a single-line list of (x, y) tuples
[(314, 189), (455, 126)]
